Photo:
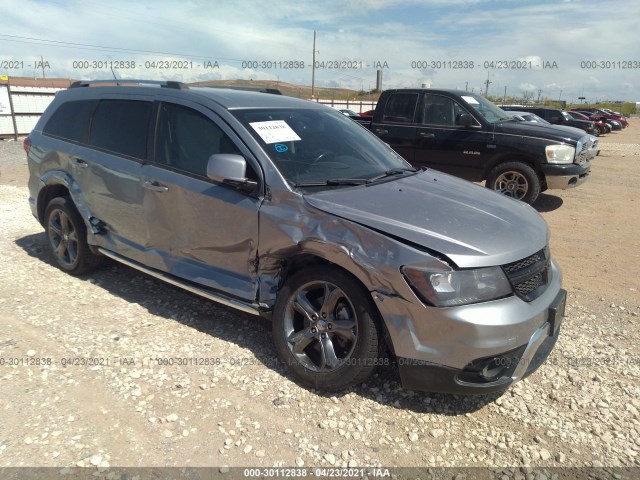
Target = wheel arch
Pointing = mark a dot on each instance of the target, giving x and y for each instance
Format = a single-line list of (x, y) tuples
[(305, 258), (48, 193)]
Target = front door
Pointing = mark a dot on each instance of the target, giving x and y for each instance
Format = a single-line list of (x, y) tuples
[(199, 230), (445, 146)]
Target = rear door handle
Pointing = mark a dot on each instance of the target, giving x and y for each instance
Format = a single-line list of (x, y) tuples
[(155, 186), (79, 163), (382, 131), (427, 135)]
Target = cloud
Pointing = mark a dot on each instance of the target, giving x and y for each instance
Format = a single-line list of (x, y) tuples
[(514, 43)]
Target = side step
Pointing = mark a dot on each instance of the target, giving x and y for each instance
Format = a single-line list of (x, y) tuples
[(251, 308)]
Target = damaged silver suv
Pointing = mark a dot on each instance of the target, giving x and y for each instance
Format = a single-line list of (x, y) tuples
[(288, 209)]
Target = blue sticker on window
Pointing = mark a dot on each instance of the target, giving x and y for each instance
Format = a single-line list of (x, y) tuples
[(281, 148)]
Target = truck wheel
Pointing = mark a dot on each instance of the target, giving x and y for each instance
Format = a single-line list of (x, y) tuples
[(515, 179), (67, 237), (325, 329)]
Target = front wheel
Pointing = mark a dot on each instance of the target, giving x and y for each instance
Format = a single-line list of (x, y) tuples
[(326, 330), (516, 180)]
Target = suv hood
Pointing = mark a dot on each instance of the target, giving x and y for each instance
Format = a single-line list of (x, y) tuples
[(471, 225), (532, 129)]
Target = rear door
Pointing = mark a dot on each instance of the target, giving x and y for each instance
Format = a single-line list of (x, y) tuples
[(106, 167), (196, 229), (396, 125), (445, 146)]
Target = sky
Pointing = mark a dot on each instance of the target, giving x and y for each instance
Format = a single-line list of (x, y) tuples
[(551, 49)]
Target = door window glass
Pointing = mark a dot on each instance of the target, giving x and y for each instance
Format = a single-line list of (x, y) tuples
[(121, 126), (400, 108), (439, 110), (186, 139)]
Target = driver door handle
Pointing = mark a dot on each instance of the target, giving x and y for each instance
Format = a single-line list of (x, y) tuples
[(79, 163), (427, 135), (155, 186), (382, 131)]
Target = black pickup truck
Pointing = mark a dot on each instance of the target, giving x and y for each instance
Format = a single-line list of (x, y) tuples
[(464, 134)]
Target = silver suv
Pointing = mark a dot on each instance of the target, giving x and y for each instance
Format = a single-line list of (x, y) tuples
[(284, 208)]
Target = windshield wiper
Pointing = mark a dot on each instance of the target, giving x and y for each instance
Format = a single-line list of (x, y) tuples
[(392, 172), (333, 182)]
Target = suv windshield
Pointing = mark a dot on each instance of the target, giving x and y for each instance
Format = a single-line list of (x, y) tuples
[(486, 109), (321, 148)]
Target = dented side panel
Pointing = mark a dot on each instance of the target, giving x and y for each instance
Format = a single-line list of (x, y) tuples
[(289, 227)]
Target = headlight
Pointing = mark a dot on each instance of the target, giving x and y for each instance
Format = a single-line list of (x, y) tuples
[(458, 287), (560, 153)]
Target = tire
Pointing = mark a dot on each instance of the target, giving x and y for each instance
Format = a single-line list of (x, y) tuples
[(67, 238), (516, 180), (326, 329)]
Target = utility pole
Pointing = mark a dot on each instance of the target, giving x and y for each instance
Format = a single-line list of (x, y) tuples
[(42, 65), (466, 87), (504, 99), (539, 93), (487, 82), (313, 67)]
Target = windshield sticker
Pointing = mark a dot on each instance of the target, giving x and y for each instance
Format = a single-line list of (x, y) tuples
[(275, 131), (281, 148), (470, 100)]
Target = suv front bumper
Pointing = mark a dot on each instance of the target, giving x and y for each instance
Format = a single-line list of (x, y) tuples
[(489, 374)]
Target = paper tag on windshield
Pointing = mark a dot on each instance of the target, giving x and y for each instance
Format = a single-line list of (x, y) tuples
[(275, 131), (470, 100)]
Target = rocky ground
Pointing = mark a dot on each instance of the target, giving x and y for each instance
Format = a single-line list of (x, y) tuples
[(118, 369)]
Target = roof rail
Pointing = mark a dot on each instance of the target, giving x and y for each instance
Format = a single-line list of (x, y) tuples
[(273, 91), (127, 82)]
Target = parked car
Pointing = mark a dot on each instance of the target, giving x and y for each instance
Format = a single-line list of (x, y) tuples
[(618, 118), (367, 114), (598, 120), (557, 116), (287, 209), (593, 149), (464, 134), (349, 113)]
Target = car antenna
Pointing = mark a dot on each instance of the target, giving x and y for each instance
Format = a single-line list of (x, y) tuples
[(114, 76)]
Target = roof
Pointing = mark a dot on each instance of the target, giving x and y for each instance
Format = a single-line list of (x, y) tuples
[(229, 98)]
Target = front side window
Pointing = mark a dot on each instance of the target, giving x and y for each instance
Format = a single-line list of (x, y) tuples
[(186, 139), (71, 120), (121, 127), (439, 110)]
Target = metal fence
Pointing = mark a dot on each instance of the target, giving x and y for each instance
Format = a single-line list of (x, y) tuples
[(22, 101)]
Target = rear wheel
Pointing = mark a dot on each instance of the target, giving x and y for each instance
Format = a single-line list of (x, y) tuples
[(325, 329), (67, 237), (516, 180)]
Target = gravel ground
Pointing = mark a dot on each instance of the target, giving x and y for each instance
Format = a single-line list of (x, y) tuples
[(118, 369)]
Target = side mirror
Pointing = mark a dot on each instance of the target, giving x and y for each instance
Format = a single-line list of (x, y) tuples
[(464, 119), (231, 169)]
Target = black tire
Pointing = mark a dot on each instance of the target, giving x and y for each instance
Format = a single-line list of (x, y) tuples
[(516, 180), (326, 310), (67, 238)]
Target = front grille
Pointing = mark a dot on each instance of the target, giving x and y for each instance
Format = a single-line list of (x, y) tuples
[(582, 156), (529, 276)]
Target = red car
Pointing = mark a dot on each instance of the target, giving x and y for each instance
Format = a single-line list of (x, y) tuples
[(606, 114), (602, 126)]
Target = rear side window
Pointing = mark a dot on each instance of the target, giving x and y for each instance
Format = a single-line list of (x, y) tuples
[(121, 126), (71, 120), (400, 108), (186, 139)]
